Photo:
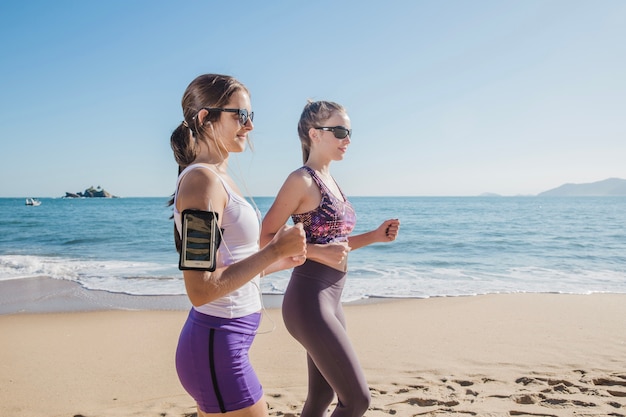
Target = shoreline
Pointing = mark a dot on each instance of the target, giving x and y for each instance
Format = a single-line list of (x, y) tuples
[(491, 355), (38, 295), (49, 295), (41, 294)]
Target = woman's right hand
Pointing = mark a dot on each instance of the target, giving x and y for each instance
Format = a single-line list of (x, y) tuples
[(290, 241)]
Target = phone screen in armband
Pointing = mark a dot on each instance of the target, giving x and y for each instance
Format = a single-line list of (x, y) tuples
[(200, 240)]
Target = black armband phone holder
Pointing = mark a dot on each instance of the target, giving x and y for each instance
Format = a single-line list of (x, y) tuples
[(200, 239)]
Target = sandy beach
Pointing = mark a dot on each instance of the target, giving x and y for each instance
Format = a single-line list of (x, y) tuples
[(493, 355)]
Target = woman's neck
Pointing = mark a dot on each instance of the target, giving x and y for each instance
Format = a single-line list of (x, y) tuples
[(214, 156), (319, 165), (221, 165)]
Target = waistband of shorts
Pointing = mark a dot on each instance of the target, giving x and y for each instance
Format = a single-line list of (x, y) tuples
[(319, 272), (245, 325)]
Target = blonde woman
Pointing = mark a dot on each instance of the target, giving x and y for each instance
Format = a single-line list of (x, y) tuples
[(312, 308)]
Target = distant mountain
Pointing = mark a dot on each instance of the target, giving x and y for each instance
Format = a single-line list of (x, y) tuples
[(605, 188)]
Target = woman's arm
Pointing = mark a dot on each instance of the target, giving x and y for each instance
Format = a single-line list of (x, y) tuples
[(204, 286), (202, 190), (287, 201), (386, 232)]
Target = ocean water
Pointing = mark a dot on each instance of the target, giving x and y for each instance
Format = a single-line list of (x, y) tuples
[(447, 246)]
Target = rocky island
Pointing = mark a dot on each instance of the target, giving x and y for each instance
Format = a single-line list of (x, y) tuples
[(91, 192)]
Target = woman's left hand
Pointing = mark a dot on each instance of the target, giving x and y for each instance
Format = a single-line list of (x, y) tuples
[(389, 230)]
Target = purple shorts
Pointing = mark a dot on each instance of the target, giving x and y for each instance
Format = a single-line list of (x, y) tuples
[(213, 364)]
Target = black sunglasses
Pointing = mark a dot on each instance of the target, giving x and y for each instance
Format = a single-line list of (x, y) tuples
[(340, 132), (243, 114)]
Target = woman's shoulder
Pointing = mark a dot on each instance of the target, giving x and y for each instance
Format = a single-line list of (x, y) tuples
[(296, 184), (200, 185), (300, 176), (197, 175)]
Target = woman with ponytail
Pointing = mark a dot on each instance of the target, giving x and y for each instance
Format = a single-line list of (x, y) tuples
[(212, 354), (311, 307)]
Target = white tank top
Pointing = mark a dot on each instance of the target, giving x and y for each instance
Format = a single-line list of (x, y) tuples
[(241, 225)]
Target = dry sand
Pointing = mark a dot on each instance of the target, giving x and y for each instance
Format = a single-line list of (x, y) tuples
[(495, 355)]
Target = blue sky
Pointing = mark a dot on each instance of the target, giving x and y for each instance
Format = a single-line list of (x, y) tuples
[(446, 98)]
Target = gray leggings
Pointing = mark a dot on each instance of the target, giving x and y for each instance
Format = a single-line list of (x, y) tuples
[(313, 314)]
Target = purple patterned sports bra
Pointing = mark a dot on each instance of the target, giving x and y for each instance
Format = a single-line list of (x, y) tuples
[(332, 221)]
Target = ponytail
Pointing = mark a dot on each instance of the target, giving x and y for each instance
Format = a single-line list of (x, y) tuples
[(306, 151), (184, 145), (185, 151)]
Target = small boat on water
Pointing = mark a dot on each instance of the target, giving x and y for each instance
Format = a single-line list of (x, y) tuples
[(32, 202)]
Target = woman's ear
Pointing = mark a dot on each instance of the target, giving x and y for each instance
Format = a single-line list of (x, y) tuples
[(201, 116), (313, 134)]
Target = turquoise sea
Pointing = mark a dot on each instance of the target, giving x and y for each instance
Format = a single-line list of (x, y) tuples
[(448, 246)]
